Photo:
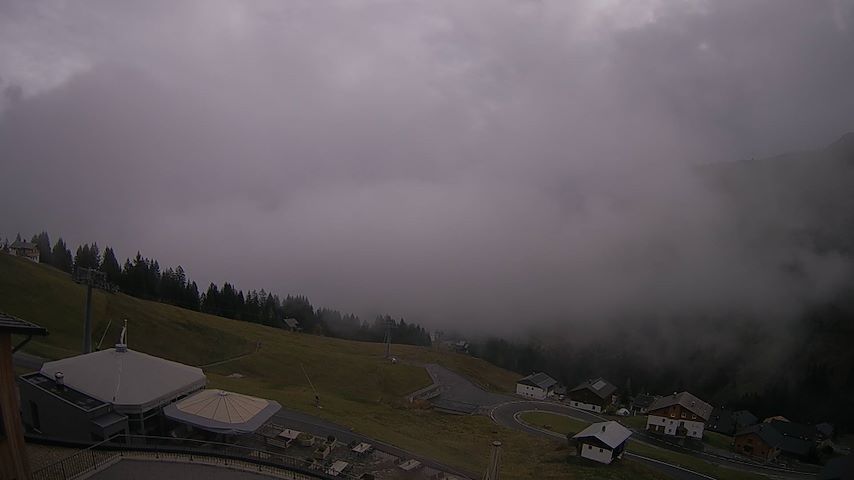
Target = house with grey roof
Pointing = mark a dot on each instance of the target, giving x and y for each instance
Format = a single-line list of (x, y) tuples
[(602, 442), (292, 324), (680, 415), (27, 250), (538, 386), (762, 442), (594, 395), (728, 422)]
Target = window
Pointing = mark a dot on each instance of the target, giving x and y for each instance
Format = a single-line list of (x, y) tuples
[(683, 415), (589, 447), (600, 450)]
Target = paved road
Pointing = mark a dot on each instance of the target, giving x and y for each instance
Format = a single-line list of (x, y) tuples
[(457, 388)]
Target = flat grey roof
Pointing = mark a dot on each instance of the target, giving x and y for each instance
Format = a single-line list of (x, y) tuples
[(132, 381), (539, 379), (78, 399)]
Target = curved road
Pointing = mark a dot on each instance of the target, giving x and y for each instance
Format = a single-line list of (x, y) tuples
[(506, 415)]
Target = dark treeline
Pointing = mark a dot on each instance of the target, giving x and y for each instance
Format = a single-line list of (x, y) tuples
[(811, 380), (144, 278)]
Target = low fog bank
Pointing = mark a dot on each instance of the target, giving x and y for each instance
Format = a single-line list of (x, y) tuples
[(485, 167)]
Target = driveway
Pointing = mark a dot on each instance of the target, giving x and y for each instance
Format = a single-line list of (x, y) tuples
[(458, 389)]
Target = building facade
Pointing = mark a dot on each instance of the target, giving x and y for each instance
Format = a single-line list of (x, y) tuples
[(602, 442), (593, 395), (761, 442), (538, 386), (25, 249), (679, 415)]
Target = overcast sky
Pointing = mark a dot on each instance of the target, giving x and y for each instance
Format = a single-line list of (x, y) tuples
[(458, 163)]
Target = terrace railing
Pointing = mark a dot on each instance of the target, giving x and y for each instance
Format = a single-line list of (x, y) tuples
[(104, 454)]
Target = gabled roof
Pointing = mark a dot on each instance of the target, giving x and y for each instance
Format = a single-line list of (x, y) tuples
[(13, 324), (609, 433), (721, 420), (795, 446), (825, 429), (687, 401), (26, 245), (538, 380), (132, 381), (796, 430), (599, 386), (766, 432), (744, 417), (291, 322)]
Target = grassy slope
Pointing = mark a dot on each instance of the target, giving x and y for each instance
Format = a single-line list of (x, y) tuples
[(357, 388)]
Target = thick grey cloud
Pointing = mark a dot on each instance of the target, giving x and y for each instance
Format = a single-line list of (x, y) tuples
[(457, 163)]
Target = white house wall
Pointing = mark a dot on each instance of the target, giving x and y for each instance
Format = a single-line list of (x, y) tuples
[(530, 392), (585, 406), (599, 454), (694, 428)]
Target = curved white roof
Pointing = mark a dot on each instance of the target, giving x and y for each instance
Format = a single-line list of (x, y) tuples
[(223, 412), (132, 381)]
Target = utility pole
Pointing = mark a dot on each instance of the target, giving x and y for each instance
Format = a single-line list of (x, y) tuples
[(493, 471), (316, 396), (389, 323), (91, 278)]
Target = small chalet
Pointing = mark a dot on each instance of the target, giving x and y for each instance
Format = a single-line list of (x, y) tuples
[(728, 422), (680, 415), (536, 385), (25, 249), (641, 403), (593, 395), (762, 442), (602, 442), (292, 325)]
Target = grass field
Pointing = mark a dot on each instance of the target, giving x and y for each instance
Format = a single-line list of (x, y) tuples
[(357, 387), (718, 440)]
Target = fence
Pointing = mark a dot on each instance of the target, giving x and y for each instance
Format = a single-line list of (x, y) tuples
[(112, 450)]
